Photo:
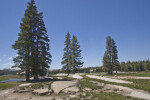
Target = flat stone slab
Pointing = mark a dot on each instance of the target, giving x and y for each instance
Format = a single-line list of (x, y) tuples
[(108, 79), (71, 90), (60, 85), (27, 84), (41, 91), (60, 74)]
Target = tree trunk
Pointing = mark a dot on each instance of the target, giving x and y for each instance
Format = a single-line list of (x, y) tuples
[(36, 77), (27, 76), (68, 72)]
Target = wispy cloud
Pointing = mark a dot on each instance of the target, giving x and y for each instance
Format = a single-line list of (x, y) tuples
[(8, 64), (17, 55), (10, 58)]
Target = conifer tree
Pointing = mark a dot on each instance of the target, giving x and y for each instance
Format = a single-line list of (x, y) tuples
[(75, 54), (115, 62), (106, 61), (66, 60), (32, 44), (110, 59), (42, 57)]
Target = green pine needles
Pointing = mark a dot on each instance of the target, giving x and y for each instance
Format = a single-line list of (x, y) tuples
[(71, 60), (33, 44)]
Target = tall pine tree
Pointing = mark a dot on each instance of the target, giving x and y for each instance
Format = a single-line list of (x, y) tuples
[(32, 44), (75, 54), (110, 59), (115, 62), (66, 60)]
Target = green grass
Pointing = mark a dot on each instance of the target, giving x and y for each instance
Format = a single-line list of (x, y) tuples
[(85, 83), (137, 83), (7, 77), (9, 85), (37, 85), (140, 84), (40, 85), (64, 77), (107, 96)]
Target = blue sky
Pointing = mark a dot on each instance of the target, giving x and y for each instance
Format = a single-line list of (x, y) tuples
[(127, 21)]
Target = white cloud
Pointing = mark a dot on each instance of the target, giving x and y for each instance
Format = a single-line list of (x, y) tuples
[(10, 58), (8, 64)]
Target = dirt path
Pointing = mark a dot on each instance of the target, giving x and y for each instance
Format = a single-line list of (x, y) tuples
[(135, 93), (130, 77), (126, 91), (108, 79)]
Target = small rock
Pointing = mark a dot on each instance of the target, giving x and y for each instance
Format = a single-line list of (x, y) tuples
[(41, 91), (103, 84), (116, 76), (84, 94), (87, 89), (72, 96), (50, 91), (23, 85)]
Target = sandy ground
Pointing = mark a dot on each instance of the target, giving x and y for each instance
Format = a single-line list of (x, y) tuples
[(108, 79), (9, 94), (28, 96)]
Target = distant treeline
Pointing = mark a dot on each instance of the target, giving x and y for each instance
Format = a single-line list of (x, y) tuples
[(82, 70), (9, 72), (143, 65), (134, 66)]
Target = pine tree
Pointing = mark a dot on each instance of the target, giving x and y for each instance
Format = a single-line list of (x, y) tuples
[(115, 62), (75, 54), (67, 66), (106, 61), (42, 56), (110, 59), (32, 44), (108, 56)]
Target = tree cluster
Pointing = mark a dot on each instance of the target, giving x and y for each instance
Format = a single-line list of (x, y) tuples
[(32, 44), (71, 60)]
